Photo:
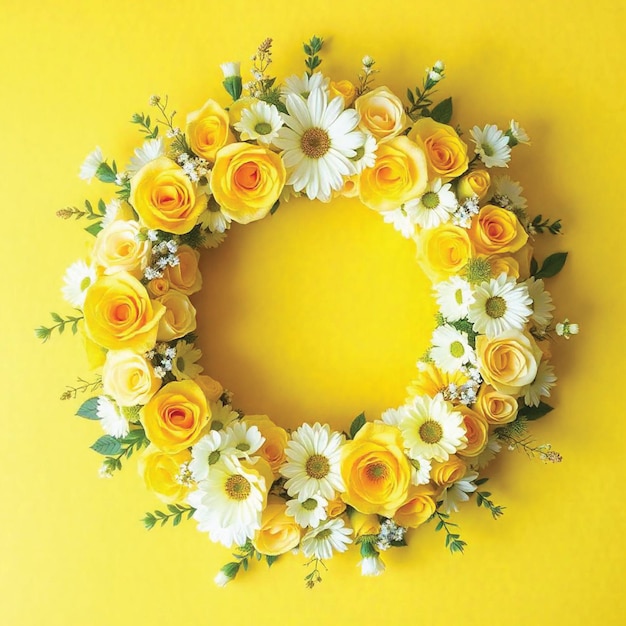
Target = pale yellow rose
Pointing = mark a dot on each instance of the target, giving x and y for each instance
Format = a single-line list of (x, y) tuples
[(185, 277), (276, 439), (175, 416), (211, 388), (445, 152), (343, 88), (119, 248), (165, 198), (158, 287), (279, 532), (399, 174), (503, 264), (119, 314), (247, 181), (364, 524), (179, 318), (236, 108), (129, 378), (418, 507), (509, 361), (474, 183), (496, 231), (476, 432), (208, 130), (381, 113), (446, 473), (497, 408), (444, 251), (159, 471), (375, 470)]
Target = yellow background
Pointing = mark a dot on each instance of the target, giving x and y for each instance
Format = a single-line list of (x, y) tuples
[(317, 313)]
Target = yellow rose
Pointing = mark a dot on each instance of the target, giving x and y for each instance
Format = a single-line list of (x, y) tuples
[(175, 416), (119, 314), (350, 187), (418, 507), (185, 277), (381, 113), (343, 88), (129, 378), (445, 152), (497, 408), (179, 318), (208, 130), (276, 438), (375, 470), (211, 388), (335, 507), (237, 107), (279, 532), (159, 471), (444, 251), (509, 361), (165, 198), (476, 432), (158, 286), (119, 248), (506, 264), (446, 473), (364, 524), (475, 183), (95, 353), (496, 231), (247, 181), (399, 174)]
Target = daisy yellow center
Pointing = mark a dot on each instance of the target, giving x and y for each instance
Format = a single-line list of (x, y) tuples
[(84, 283), (309, 504), (243, 446), (456, 349), (495, 307), (377, 471), (180, 364), (458, 296), (214, 457), (324, 534), (416, 464), (315, 142), (430, 200), (487, 149), (237, 487), (263, 128), (317, 466), (431, 432)]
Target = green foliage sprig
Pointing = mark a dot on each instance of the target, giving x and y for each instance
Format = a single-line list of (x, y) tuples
[(84, 387), (453, 539), (482, 499), (312, 49), (45, 332), (243, 557), (420, 101), (314, 576), (539, 225), (515, 436), (115, 449), (175, 515), (145, 125)]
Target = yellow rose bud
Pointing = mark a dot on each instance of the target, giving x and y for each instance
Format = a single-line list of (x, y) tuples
[(350, 187), (276, 438), (418, 507), (119, 248), (509, 361), (159, 471), (497, 408), (495, 231), (165, 198), (119, 314), (158, 287), (444, 251), (343, 88), (364, 524), (128, 378), (375, 470), (446, 473), (475, 183), (247, 181), (211, 388), (279, 532), (381, 113), (399, 174), (208, 130), (185, 277), (335, 507), (175, 416), (476, 432), (179, 318), (446, 154)]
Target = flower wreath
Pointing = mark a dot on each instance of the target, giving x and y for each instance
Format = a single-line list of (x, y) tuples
[(248, 482)]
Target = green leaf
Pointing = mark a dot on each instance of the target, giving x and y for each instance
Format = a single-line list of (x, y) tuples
[(270, 559), (552, 265), (94, 229), (480, 481), (357, 424), (89, 409), (275, 207), (410, 96), (443, 111), (107, 446), (534, 412), (534, 266), (106, 173)]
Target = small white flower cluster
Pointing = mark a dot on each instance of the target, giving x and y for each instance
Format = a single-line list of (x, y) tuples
[(163, 255), (467, 392), (566, 329), (195, 168), (164, 355), (436, 72), (463, 215), (184, 476), (389, 532)]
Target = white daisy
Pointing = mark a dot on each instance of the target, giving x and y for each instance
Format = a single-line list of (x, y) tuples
[(222, 415), (259, 122), (308, 511), (403, 219), (393, 417), (78, 278), (304, 85), (242, 439), (435, 206), (313, 454), (229, 502), (517, 134), (454, 297), (91, 164), (365, 155), (420, 470), (319, 140), (213, 240), (111, 418), (541, 386), (432, 429), (450, 348), (458, 492), (499, 305), (111, 212), (184, 365), (508, 193), (492, 145), (488, 454), (150, 150), (206, 453), (541, 302), (328, 536)]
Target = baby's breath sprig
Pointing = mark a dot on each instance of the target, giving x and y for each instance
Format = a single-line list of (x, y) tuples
[(366, 75), (262, 86), (420, 100), (175, 515), (84, 386), (44, 332), (482, 499), (453, 539), (312, 49), (314, 576), (179, 141), (515, 437)]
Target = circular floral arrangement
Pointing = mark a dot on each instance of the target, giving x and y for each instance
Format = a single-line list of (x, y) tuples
[(247, 482)]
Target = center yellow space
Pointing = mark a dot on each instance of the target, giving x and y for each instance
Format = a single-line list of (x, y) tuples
[(317, 312)]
